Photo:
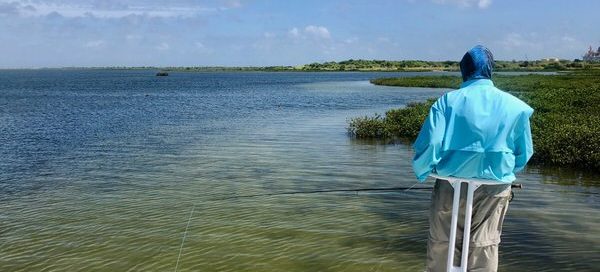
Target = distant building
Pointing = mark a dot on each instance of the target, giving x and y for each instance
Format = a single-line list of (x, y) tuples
[(550, 59), (591, 55)]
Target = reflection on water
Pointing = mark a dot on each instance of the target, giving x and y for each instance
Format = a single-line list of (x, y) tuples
[(100, 170), (566, 176)]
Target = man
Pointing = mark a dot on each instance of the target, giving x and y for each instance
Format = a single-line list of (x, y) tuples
[(477, 131)]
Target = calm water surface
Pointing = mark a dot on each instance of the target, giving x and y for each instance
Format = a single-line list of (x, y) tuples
[(99, 171)]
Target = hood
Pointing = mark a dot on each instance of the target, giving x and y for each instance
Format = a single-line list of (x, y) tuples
[(477, 63)]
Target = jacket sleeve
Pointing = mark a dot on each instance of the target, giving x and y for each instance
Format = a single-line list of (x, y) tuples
[(429, 141), (523, 143)]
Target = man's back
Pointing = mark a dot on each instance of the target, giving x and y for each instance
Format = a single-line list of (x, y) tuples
[(477, 131)]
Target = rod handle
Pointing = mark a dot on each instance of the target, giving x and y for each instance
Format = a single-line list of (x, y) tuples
[(516, 186)]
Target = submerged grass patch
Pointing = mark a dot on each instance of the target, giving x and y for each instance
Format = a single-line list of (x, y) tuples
[(565, 124)]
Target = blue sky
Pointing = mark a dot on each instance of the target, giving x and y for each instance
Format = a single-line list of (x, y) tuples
[(59, 33)]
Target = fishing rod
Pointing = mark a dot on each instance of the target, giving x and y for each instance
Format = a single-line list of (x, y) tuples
[(388, 189), (383, 189)]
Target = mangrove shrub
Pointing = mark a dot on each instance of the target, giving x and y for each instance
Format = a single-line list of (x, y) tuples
[(565, 124)]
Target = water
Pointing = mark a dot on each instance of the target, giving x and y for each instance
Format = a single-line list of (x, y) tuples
[(100, 170)]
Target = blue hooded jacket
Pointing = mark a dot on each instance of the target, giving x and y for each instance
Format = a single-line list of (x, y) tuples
[(477, 131)]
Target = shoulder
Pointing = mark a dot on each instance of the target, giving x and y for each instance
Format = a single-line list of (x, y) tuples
[(450, 96), (514, 102), (446, 99)]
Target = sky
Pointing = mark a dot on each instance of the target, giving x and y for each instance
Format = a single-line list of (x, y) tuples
[(64, 33)]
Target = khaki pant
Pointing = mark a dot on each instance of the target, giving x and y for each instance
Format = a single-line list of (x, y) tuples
[(490, 203)]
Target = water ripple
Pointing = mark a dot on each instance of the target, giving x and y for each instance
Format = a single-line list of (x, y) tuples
[(100, 169)]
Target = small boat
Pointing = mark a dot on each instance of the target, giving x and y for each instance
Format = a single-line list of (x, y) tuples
[(162, 74)]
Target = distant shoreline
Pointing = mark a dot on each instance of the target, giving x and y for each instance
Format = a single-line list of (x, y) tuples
[(355, 66), (258, 70), (227, 69)]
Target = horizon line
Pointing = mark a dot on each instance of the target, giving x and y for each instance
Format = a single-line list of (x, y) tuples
[(241, 66)]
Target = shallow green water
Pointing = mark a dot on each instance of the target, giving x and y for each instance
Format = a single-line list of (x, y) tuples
[(100, 170)]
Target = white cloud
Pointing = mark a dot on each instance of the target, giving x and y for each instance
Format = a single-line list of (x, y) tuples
[(133, 37), (162, 46), (568, 39), (482, 4), (294, 32), (351, 40), (200, 47), (517, 40), (15, 8), (571, 43), (317, 31), (233, 3), (95, 44), (310, 31), (106, 9)]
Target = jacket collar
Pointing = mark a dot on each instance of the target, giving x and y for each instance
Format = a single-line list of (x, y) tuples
[(473, 82)]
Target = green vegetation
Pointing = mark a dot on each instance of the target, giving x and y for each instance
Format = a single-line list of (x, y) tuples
[(379, 65), (420, 81), (565, 125), (403, 123), (419, 65)]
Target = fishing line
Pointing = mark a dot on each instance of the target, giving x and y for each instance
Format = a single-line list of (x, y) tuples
[(384, 189), (405, 189), (184, 235)]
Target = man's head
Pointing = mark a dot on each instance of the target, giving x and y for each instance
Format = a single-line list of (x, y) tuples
[(477, 63)]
